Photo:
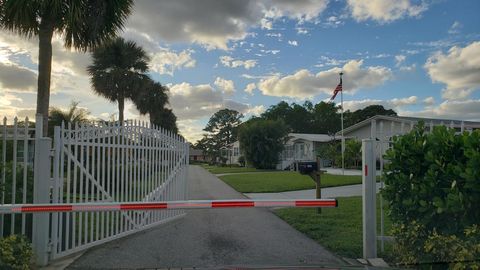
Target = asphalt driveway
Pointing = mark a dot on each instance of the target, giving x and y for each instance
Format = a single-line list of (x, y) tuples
[(211, 238)]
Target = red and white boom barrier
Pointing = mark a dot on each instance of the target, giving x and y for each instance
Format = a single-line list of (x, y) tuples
[(142, 206)]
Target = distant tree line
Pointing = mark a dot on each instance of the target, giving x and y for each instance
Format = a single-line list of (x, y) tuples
[(321, 118), (262, 138)]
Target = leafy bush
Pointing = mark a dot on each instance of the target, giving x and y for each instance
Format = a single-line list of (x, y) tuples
[(417, 246), (15, 253), (262, 142), (434, 178), (433, 192)]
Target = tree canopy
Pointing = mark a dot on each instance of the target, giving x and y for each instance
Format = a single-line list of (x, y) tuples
[(321, 118), (221, 131), (119, 71), (83, 25), (262, 141)]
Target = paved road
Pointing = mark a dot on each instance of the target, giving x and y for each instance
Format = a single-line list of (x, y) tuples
[(332, 192), (211, 238)]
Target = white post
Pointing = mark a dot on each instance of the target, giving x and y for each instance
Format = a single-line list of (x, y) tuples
[(41, 188), (369, 200)]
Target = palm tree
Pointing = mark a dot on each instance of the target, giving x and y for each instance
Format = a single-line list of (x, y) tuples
[(118, 71), (83, 24), (151, 98), (72, 115), (164, 118)]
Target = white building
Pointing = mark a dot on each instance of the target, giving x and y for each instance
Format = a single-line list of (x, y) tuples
[(232, 153), (383, 128), (302, 147)]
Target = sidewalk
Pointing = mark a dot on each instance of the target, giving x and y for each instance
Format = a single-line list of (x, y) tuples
[(333, 192), (338, 171)]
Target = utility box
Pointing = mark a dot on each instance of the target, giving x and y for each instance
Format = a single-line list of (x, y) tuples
[(307, 167)]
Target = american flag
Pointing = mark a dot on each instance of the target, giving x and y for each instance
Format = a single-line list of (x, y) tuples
[(337, 89)]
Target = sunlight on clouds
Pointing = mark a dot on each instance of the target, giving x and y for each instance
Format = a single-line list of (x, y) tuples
[(303, 84), (166, 62), (384, 11), (459, 69), (226, 86)]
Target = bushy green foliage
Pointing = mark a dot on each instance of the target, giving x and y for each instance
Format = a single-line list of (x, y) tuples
[(353, 153), (262, 142), (434, 178), (15, 253), (415, 245), (433, 192)]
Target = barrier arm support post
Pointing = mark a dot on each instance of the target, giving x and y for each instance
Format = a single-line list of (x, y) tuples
[(369, 199), (41, 194)]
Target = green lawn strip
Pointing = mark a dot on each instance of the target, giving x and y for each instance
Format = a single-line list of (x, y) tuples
[(219, 170), (337, 229), (280, 181)]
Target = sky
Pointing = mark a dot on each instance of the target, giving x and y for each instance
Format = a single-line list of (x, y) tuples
[(420, 58)]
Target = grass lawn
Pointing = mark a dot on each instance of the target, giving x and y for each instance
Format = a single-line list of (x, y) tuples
[(218, 170), (279, 181), (337, 229)]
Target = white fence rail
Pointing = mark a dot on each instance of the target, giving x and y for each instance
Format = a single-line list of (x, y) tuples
[(16, 173), (88, 163)]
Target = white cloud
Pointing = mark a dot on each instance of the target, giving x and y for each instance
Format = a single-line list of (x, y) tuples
[(459, 70), (398, 102), (400, 63), (227, 20), (293, 42), (395, 104), (455, 28), (250, 87), (302, 10), (399, 59), (256, 110), (229, 61), (328, 61), (226, 86), (266, 24), (301, 31), (410, 68), (274, 52), (304, 84), (193, 102), (384, 11), (166, 61), (455, 109), (429, 101), (192, 130)]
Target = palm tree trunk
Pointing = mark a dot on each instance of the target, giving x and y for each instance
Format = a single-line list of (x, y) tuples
[(121, 106), (150, 115), (44, 71)]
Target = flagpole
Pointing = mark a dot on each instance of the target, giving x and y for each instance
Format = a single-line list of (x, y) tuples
[(343, 139)]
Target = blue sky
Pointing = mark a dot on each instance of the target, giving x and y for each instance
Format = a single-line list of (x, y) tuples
[(419, 58)]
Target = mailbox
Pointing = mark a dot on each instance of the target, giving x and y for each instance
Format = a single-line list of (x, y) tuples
[(307, 167)]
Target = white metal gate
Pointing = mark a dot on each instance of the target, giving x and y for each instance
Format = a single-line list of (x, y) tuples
[(113, 163)]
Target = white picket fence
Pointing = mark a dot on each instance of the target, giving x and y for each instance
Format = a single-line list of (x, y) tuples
[(101, 162)]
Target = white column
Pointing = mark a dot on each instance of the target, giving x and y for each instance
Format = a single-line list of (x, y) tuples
[(41, 193), (369, 200)]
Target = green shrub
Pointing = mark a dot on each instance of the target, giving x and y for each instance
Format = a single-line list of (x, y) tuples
[(429, 249), (15, 253), (434, 179), (433, 192)]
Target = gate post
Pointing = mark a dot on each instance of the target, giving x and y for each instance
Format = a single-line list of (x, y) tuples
[(369, 199), (41, 194)]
